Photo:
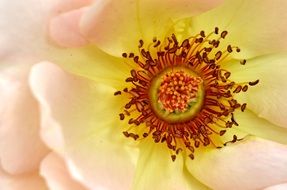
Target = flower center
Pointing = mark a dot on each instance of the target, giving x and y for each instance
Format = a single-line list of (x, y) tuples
[(176, 94), (179, 95)]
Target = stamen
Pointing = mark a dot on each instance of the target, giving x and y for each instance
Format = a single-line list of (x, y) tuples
[(179, 94)]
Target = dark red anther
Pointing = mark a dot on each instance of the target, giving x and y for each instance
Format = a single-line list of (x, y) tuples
[(216, 43), (117, 93), (234, 139), (131, 55), (227, 75), (122, 116), (237, 89), (206, 141), (133, 73), (128, 105), (130, 79), (145, 135), (222, 132), (208, 49), (233, 120), (229, 48), (196, 143), (199, 40), (173, 157), (141, 43), (178, 150), (125, 55), (191, 156), (253, 83), (223, 34), (218, 55), (174, 39), (245, 88), (243, 107), (154, 39), (156, 44), (136, 59), (185, 43), (243, 62), (143, 52), (126, 134), (216, 30), (202, 33)]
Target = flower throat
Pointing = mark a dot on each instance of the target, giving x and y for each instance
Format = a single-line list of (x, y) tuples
[(179, 94)]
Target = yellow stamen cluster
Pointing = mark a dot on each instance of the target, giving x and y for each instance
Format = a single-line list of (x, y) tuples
[(177, 91)]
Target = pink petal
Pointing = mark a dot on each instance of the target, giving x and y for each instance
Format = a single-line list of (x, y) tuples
[(277, 187), (21, 148), (54, 170), (20, 182), (87, 114), (64, 29), (61, 6), (250, 164), (64, 23), (117, 26), (22, 27)]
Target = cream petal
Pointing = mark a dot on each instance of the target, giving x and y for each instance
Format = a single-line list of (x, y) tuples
[(56, 174), (268, 98), (156, 170), (19, 182), (252, 163), (251, 124), (87, 114), (258, 27), (21, 149), (117, 26), (64, 29), (277, 187)]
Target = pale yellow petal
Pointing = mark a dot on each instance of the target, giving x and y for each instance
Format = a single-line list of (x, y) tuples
[(268, 98), (251, 124), (250, 164), (257, 27), (92, 63), (117, 26), (156, 170)]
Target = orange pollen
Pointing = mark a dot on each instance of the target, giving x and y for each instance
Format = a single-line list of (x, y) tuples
[(177, 90)]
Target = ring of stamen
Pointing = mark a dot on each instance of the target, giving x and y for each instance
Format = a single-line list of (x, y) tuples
[(189, 118)]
